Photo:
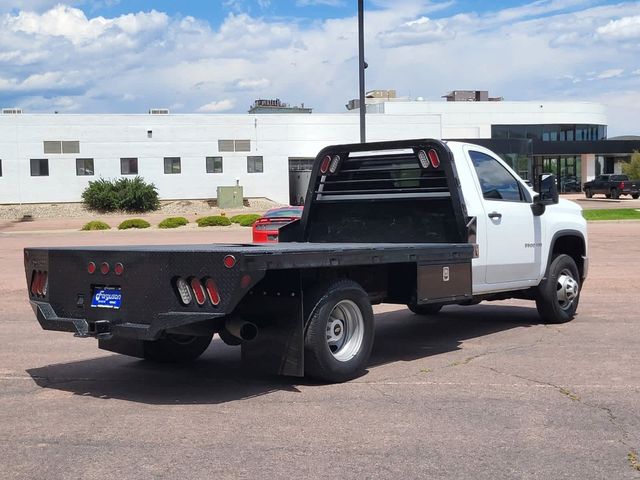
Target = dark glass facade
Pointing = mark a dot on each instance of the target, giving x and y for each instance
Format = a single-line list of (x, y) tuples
[(551, 132)]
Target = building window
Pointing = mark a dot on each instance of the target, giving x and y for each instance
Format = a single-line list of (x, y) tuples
[(242, 145), (59, 146), (84, 166), (39, 167), (234, 145), (171, 165), (225, 146), (214, 164), (128, 166), (52, 147), (254, 165)]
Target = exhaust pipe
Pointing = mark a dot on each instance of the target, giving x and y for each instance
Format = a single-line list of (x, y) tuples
[(240, 329)]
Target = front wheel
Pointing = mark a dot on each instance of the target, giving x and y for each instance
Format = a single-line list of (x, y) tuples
[(174, 348), (339, 333), (558, 295), (588, 193)]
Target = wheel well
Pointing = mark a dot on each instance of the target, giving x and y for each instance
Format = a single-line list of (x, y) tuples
[(573, 246)]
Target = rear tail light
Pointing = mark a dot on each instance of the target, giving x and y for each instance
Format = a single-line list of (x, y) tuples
[(39, 284), (424, 160), (91, 267), (198, 291), (335, 162), (44, 284), (118, 269), (434, 158), (621, 186), (104, 268), (324, 166), (184, 291), (212, 291)]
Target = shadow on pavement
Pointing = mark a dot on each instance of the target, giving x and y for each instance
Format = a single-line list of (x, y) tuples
[(218, 376)]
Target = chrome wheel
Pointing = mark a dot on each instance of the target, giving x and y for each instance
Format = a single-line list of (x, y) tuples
[(566, 289), (345, 330)]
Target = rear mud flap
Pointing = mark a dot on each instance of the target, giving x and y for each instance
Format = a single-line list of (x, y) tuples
[(278, 313)]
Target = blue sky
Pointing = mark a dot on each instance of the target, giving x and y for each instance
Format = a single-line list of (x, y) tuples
[(218, 56)]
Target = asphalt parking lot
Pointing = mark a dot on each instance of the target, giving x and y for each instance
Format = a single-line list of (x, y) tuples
[(481, 392)]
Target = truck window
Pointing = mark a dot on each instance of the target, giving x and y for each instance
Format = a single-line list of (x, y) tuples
[(496, 182)]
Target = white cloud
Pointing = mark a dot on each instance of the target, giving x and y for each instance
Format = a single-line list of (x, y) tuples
[(253, 83), (623, 28), (611, 73), (416, 32), (217, 106), (543, 50)]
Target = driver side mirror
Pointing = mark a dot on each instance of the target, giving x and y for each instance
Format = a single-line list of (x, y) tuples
[(547, 193)]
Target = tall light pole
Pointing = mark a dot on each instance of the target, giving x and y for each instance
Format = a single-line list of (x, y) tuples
[(362, 66)]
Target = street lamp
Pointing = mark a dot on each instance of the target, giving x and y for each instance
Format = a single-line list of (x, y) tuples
[(362, 66)]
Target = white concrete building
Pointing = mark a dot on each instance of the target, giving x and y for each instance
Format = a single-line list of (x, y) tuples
[(52, 157)]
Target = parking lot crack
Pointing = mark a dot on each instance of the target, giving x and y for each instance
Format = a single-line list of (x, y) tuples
[(624, 437)]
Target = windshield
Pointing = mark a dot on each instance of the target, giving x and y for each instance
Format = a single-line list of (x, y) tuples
[(284, 212)]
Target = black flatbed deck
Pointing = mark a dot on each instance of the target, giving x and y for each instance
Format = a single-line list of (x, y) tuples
[(298, 255)]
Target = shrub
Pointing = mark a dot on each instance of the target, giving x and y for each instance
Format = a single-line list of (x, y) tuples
[(213, 221), (132, 195), (246, 219), (134, 223), (173, 222), (96, 225), (100, 195), (135, 195)]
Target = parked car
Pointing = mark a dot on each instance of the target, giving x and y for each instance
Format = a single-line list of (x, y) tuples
[(612, 186), (570, 184), (265, 229)]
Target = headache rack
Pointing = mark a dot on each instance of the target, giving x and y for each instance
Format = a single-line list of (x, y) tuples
[(399, 192)]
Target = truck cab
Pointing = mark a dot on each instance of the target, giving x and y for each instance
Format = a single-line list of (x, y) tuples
[(515, 243)]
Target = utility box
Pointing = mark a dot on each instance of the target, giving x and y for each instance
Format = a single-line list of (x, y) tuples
[(230, 197)]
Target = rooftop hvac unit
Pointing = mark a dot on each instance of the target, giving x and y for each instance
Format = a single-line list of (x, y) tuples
[(11, 111), (158, 111)]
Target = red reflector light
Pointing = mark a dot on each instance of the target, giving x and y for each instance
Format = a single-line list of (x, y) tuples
[(212, 291), (621, 186), (198, 291), (39, 284), (324, 166), (229, 261), (104, 268), (118, 269), (91, 268), (245, 281), (433, 157), (34, 283)]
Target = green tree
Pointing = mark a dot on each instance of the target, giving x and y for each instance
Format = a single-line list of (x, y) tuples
[(632, 169)]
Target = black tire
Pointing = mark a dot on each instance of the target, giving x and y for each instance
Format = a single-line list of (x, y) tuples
[(176, 348), (588, 193), (615, 193), (344, 355), (427, 309), (559, 293), (635, 196)]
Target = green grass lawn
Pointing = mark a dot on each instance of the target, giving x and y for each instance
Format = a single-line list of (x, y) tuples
[(612, 214)]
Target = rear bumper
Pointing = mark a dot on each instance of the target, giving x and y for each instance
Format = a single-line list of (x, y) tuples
[(104, 329)]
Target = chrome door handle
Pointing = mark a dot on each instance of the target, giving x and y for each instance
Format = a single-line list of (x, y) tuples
[(495, 215)]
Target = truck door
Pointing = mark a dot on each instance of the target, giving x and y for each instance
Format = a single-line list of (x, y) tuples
[(513, 234)]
